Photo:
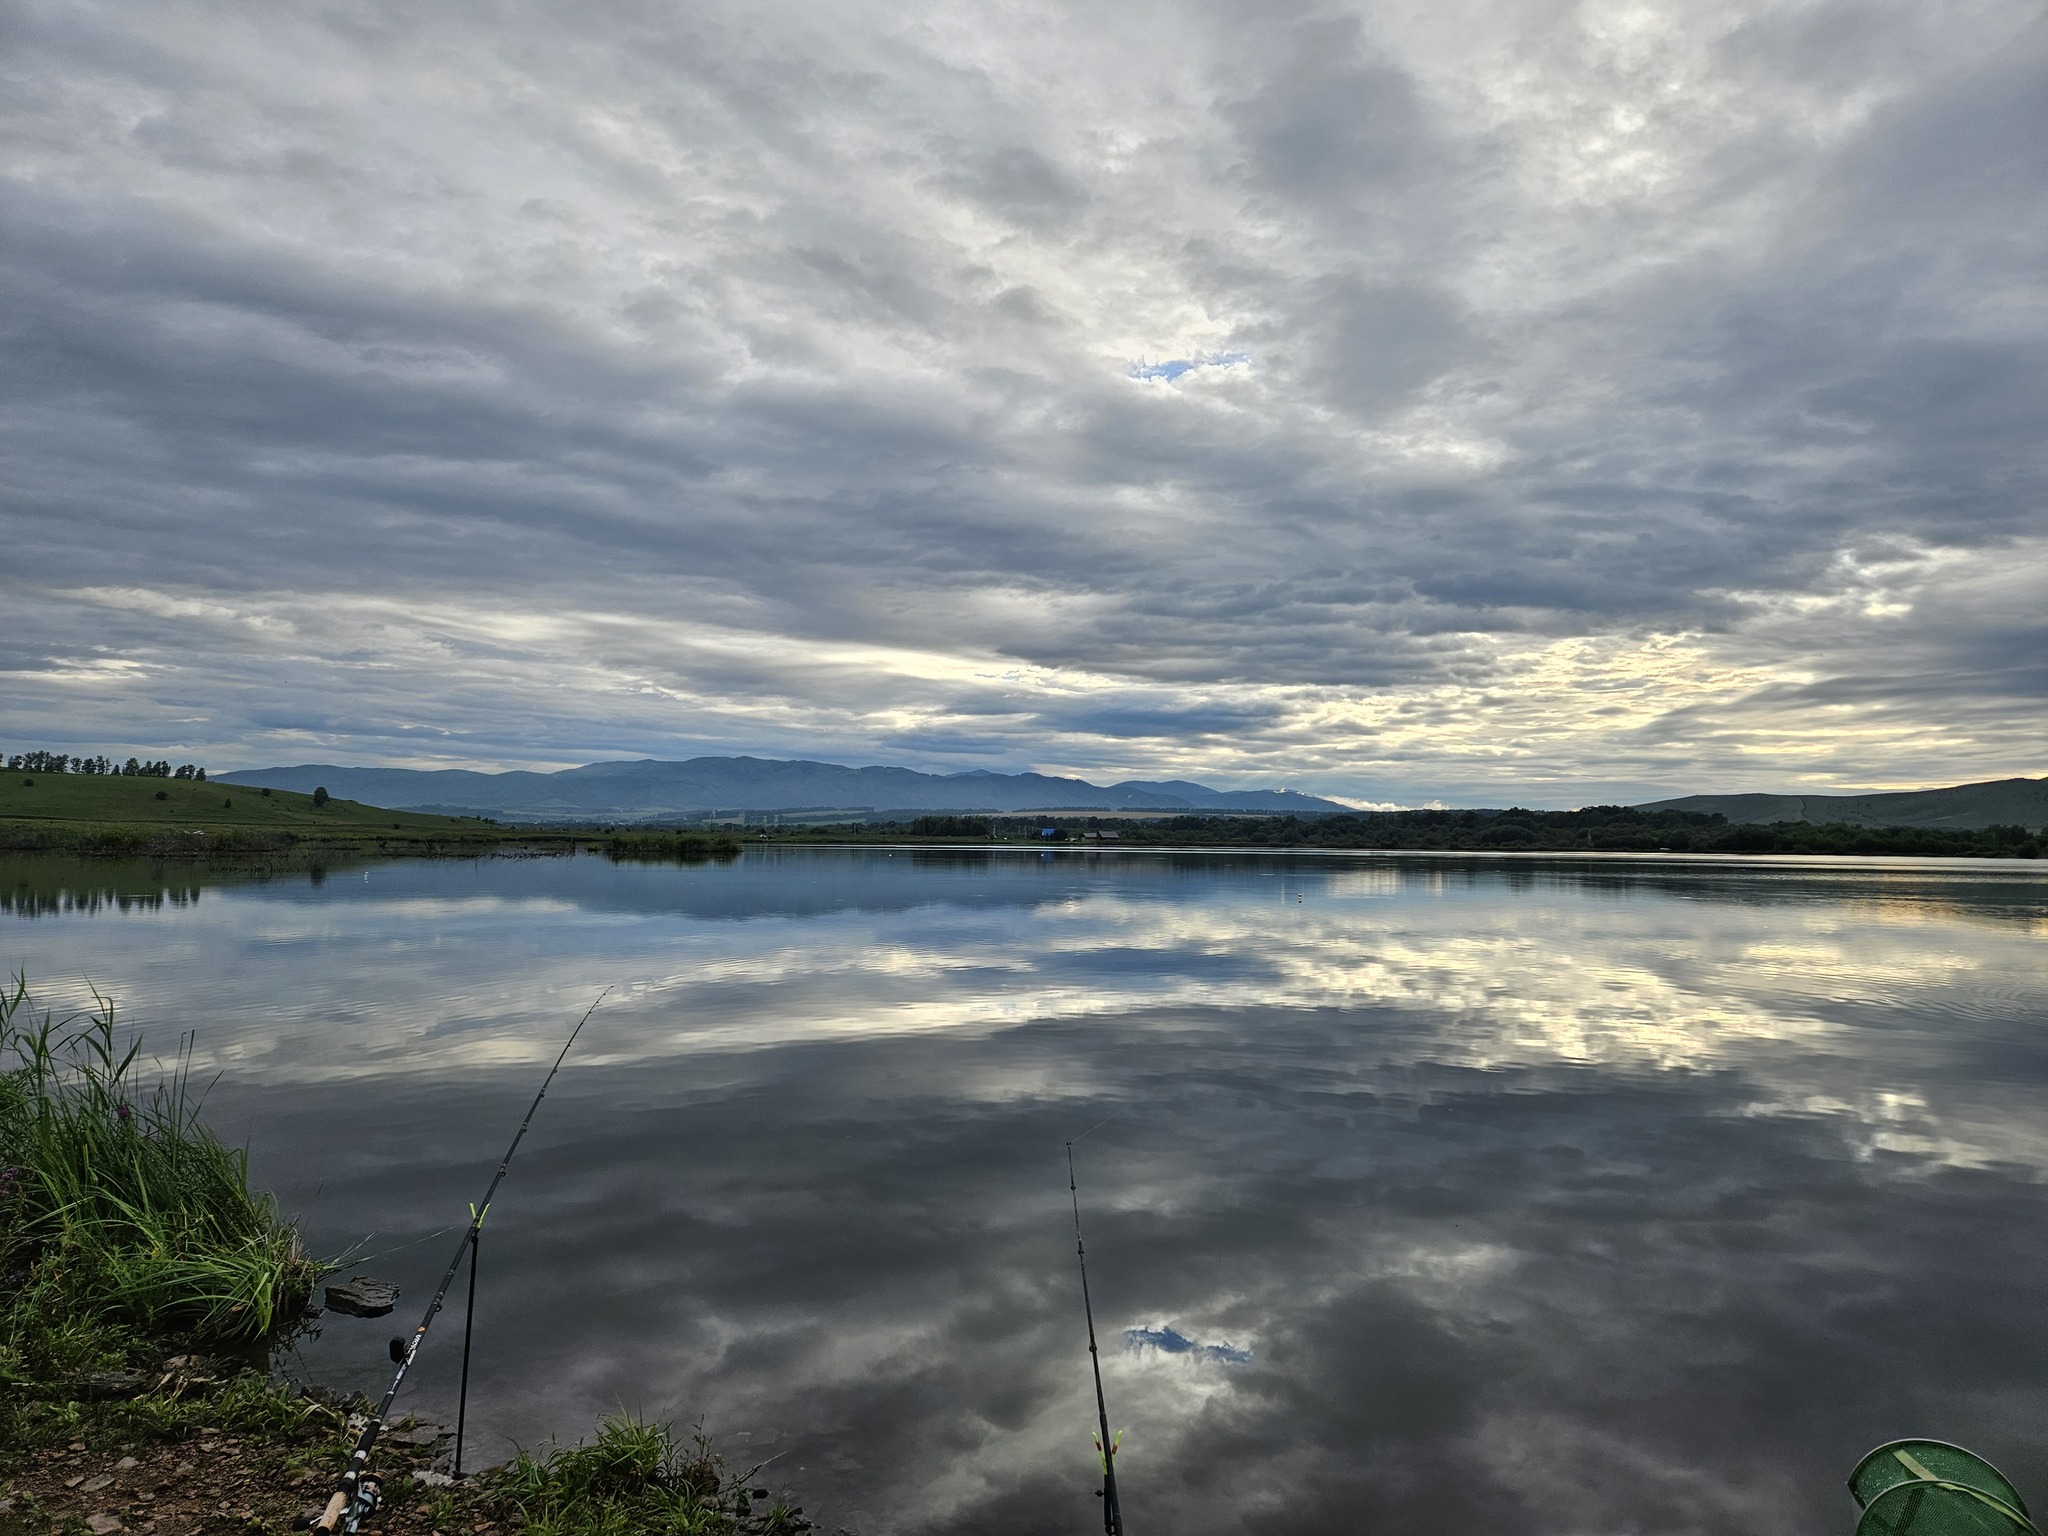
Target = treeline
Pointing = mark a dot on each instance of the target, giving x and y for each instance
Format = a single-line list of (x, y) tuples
[(134, 768), (1593, 829), (1597, 828)]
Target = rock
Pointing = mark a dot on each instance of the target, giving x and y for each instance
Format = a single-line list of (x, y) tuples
[(433, 1479), (103, 1524), (423, 1434), (362, 1297), (95, 1484), (73, 1482), (125, 1463)]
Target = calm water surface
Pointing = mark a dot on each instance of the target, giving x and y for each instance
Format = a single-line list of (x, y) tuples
[(1546, 1197)]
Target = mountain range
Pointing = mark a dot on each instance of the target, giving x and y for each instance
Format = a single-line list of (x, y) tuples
[(652, 791)]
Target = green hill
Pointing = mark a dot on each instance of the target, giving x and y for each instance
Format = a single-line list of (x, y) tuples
[(52, 803), (1997, 802)]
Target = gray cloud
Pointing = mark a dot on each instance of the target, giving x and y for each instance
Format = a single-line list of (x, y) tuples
[(409, 387)]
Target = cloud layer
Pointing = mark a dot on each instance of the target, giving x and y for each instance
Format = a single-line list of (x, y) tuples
[(1594, 399)]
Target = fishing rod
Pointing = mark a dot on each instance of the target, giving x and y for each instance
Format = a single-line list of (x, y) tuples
[(1112, 1511), (357, 1494)]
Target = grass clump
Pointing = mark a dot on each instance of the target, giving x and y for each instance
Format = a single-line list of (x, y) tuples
[(636, 1478), (122, 1217), (681, 847)]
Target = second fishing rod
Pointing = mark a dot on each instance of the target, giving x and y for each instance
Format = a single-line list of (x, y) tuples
[(1105, 1444), (357, 1493)]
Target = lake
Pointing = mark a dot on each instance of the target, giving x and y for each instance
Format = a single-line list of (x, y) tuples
[(1435, 1194)]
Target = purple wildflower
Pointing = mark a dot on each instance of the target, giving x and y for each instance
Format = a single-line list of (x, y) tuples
[(124, 1111)]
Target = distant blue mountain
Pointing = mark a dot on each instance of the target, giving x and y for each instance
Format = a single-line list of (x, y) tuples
[(653, 790)]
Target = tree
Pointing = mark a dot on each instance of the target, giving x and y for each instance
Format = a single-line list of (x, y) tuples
[(320, 794)]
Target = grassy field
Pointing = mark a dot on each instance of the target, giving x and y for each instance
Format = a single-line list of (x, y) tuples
[(183, 803)]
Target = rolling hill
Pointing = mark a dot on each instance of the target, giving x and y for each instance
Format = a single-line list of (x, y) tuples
[(1962, 807)]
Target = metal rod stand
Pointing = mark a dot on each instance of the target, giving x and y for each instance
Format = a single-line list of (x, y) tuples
[(468, 1323)]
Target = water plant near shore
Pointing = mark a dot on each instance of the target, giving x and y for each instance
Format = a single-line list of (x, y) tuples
[(670, 846), (635, 1478), (119, 1209)]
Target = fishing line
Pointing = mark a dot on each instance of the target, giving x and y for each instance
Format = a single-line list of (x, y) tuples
[(356, 1495), (1098, 1125)]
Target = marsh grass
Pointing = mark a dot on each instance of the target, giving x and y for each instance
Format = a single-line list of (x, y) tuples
[(635, 1478), (119, 1209), (677, 847)]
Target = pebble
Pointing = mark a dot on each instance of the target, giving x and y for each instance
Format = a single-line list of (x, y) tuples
[(73, 1482), (103, 1524), (125, 1463), (95, 1484)]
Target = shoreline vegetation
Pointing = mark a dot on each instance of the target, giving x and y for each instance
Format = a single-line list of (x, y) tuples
[(150, 817), (146, 1290), (1594, 829)]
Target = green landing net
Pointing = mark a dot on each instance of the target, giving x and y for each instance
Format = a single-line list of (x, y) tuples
[(1927, 1488)]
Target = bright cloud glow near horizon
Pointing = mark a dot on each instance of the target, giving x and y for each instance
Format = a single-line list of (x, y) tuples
[(1520, 400)]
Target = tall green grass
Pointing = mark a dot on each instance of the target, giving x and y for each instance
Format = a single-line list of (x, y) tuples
[(117, 1205), (635, 1478)]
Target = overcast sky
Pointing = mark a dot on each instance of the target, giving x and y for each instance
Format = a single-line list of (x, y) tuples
[(1450, 400)]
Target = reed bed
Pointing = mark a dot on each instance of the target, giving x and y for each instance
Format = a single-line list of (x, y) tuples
[(672, 847), (119, 1208)]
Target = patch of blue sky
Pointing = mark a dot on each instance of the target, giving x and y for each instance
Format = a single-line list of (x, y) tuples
[(1171, 371), (1169, 1340)]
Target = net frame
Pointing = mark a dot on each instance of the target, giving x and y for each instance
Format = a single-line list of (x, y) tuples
[(1933, 1488)]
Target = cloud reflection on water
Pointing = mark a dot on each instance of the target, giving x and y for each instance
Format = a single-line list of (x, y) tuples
[(1545, 1200)]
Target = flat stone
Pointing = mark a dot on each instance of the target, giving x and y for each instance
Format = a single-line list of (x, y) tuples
[(125, 1463), (362, 1297), (104, 1524), (433, 1479), (95, 1484)]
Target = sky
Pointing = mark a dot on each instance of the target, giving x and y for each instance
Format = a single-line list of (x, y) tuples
[(1427, 402)]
